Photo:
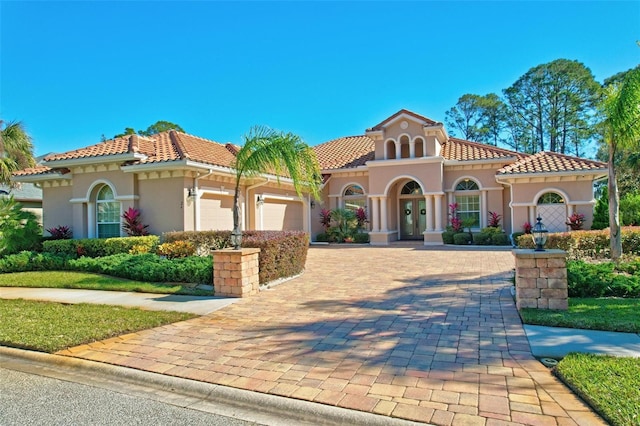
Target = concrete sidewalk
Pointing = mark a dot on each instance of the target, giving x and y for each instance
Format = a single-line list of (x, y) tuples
[(198, 305)]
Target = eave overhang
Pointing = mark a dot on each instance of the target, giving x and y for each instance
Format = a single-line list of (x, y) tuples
[(42, 177), (594, 174), (98, 159)]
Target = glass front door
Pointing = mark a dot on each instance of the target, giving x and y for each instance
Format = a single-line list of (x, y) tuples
[(413, 218)]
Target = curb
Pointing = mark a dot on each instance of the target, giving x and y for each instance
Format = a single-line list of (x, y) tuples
[(253, 406)]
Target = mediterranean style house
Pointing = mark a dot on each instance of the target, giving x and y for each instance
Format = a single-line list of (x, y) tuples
[(405, 171)]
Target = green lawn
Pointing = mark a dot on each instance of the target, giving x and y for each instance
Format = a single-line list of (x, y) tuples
[(87, 281), (50, 327), (610, 385), (593, 314)]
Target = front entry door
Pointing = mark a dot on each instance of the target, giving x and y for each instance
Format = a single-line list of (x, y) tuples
[(413, 218)]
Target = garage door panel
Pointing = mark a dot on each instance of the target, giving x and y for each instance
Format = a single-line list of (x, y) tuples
[(216, 213), (281, 215)]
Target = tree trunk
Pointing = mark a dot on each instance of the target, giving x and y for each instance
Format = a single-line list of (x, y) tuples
[(236, 234), (614, 208)]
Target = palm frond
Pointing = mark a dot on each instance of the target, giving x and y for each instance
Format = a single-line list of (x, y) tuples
[(622, 110)]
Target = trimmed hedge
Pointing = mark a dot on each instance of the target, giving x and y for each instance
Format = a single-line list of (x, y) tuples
[(99, 247), (462, 238), (282, 253), (587, 244), (603, 279), (143, 267)]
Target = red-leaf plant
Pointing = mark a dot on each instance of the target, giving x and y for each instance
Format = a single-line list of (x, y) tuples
[(526, 227), (325, 218), (494, 220), (456, 222), (133, 223)]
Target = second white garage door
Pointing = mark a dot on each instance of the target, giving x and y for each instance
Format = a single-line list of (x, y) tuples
[(280, 215)]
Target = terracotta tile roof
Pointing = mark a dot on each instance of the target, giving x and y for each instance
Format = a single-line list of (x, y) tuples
[(380, 125), (551, 162), (463, 150), (350, 151), (163, 147)]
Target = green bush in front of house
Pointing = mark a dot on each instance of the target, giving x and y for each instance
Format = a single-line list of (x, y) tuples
[(587, 244), (606, 279), (282, 253), (141, 267), (99, 247)]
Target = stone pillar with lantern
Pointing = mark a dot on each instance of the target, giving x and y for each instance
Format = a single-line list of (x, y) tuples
[(541, 275)]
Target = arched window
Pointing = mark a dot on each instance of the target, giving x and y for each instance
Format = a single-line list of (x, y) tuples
[(411, 188), (467, 197), (550, 198), (354, 198), (107, 213)]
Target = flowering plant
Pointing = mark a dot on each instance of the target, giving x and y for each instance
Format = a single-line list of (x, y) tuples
[(361, 217), (526, 227), (133, 223), (456, 222), (494, 220), (60, 232), (325, 218), (576, 221)]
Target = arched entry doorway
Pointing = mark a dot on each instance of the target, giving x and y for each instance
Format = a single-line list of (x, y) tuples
[(413, 212)]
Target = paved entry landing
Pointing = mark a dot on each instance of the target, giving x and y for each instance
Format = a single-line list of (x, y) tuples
[(418, 333)]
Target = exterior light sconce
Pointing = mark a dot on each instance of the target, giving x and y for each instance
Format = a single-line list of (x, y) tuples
[(313, 204), (260, 200), (191, 193), (539, 234)]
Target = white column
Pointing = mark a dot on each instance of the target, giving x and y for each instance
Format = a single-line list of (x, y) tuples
[(424, 147), (483, 210), (438, 212), (398, 150), (412, 149), (91, 220), (375, 214), (429, 201), (383, 214)]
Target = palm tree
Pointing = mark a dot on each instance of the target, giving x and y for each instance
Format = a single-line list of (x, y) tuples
[(278, 153), (621, 109), (16, 150)]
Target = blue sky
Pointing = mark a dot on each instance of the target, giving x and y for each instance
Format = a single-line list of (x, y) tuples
[(72, 71)]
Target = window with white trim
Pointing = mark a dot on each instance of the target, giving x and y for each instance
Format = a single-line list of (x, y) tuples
[(107, 213), (353, 198), (467, 196)]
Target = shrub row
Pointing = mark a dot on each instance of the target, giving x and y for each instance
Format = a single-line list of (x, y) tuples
[(99, 247), (282, 253), (142, 267), (587, 244), (487, 237), (605, 279), (358, 238)]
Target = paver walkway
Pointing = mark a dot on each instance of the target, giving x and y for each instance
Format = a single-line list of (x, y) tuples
[(424, 334)]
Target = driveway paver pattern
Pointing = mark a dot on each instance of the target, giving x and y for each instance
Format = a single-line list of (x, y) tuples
[(425, 334)]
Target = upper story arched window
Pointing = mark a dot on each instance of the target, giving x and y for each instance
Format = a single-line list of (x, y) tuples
[(107, 213), (353, 197)]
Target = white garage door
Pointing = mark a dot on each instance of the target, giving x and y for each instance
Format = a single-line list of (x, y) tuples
[(280, 215), (216, 213)]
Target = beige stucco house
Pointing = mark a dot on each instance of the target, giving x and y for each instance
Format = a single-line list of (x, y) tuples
[(405, 172)]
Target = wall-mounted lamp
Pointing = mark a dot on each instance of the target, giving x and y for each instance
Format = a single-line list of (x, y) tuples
[(313, 204), (191, 192), (260, 200), (539, 234)]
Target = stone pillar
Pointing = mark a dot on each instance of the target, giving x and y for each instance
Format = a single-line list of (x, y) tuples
[(438, 212), (236, 272), (383, 214), (428, 199), (541, 279)]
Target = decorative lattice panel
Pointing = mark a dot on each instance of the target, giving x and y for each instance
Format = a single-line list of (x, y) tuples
[(554, 216)]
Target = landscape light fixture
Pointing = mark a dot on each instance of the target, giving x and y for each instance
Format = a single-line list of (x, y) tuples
[(539, 234)]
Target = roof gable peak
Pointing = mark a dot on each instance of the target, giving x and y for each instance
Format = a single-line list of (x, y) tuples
[(401, 115)]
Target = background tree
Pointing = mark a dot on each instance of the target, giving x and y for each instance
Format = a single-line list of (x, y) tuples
[(269, 151), (154, 129), (557, 101), (466, 116), (621, 109), (19, 229), (16, 150)]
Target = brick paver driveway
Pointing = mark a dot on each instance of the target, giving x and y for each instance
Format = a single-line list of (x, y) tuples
[(418, 333)]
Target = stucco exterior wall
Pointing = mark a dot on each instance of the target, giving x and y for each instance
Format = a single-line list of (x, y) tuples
[(56, 209), (162, 205), (428, 173)]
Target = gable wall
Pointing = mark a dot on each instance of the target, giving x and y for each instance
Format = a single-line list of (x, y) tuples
[(56, 208)]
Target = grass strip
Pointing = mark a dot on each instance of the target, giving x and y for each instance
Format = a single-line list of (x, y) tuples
[(606, 314), (50, 327), (88, 281), (610, 385)]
